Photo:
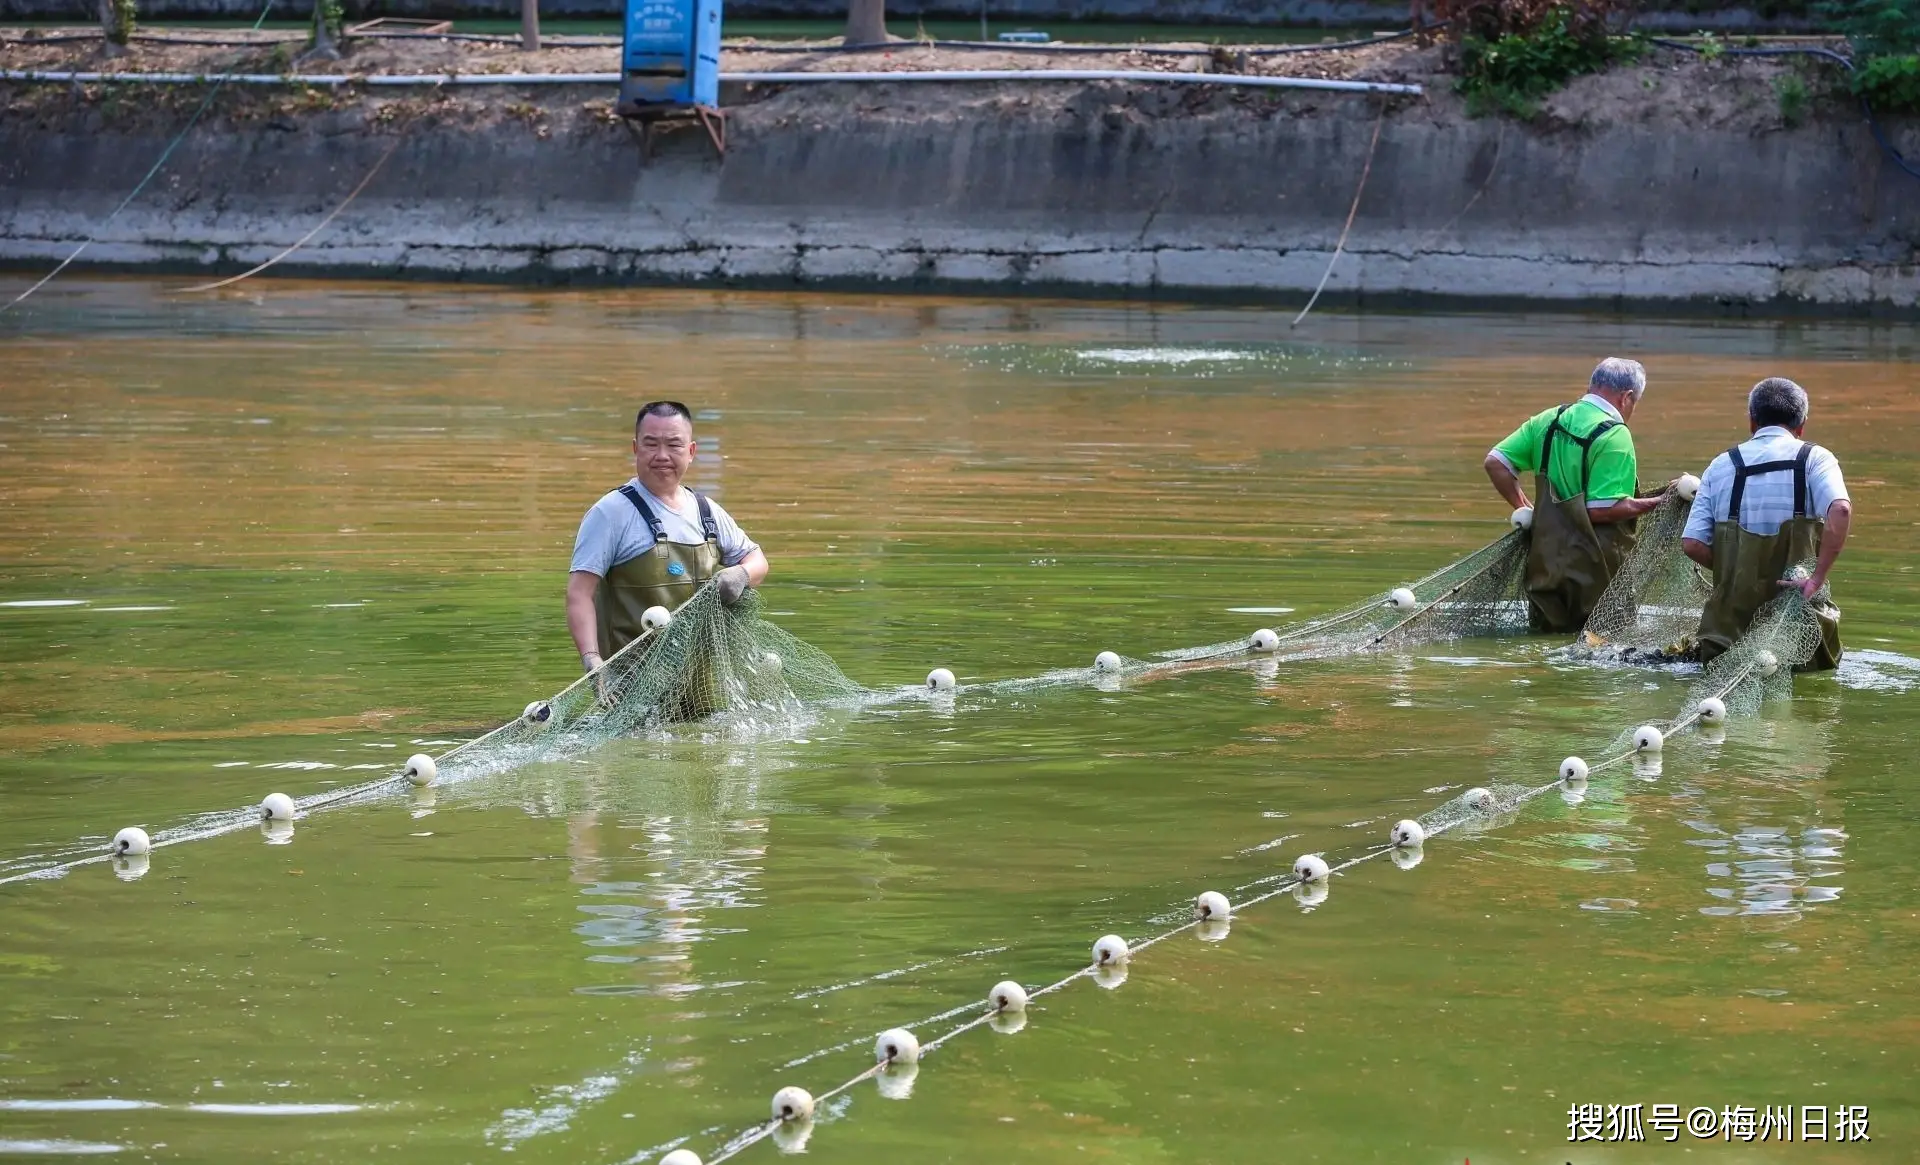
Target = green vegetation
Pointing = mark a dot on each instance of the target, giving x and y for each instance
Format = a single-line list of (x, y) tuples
[(1511, 72), (1885, 35), (1792, 93)]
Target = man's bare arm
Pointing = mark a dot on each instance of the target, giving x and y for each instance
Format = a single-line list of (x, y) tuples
[(1505, 483), (583, 622), (756, 564), (1697, 550), (1832, 541), (1621, 510)]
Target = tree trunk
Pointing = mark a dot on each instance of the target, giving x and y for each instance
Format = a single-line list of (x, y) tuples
[(866, 22), (530, 25), (116, 24), (324, 46)]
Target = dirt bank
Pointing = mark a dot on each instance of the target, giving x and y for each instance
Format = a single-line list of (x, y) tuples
[(1673, 181)]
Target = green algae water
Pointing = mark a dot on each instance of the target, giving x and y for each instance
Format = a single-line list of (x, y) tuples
[(279, 540)]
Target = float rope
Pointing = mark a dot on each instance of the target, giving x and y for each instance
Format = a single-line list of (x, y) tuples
[(159, 162), (303, 239)]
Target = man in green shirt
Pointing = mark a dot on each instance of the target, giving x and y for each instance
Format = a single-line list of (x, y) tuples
[(1586, 476)]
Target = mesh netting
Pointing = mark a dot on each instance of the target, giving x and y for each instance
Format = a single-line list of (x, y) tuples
[(1652, 607), (1651, 610), (710, 660), (1783, 635), (1481, 594)]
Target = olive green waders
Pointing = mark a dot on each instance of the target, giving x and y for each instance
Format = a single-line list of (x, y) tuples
[(1748, 567), (666, 576), (1570, 561)]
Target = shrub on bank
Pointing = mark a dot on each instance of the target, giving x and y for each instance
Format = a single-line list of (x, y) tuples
[(1885, 35), (1511, 53)]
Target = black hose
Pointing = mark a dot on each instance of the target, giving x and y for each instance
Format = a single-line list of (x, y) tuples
[(1841, 59)]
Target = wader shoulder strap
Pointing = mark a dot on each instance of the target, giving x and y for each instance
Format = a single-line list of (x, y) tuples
[(646, 512), (1742, 471), (1585, 443), (709, 529), (1802, 500)]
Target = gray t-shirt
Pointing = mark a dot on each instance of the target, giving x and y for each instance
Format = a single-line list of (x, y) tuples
[(614, 532)]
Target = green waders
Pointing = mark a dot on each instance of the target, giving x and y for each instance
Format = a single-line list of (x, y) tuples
[(666, 576), (1748, 567), (1570, 561)]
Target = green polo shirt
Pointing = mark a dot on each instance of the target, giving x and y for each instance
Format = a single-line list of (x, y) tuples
[(1613, 472)]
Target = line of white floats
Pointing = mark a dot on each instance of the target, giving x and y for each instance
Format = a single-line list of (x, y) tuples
[(791, 1112), (277, 812)]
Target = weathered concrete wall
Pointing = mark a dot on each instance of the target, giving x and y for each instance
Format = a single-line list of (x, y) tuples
[(1102, 192)]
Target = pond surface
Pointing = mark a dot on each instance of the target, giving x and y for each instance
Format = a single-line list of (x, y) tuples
[(281, 539)]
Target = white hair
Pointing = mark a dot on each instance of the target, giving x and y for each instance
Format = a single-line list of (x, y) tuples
[(1615, 374)]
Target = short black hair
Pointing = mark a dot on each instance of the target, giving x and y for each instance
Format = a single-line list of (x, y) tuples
[(1777, 401), (662, 408)]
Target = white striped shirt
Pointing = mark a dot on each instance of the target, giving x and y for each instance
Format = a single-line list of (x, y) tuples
[(1769, 496)]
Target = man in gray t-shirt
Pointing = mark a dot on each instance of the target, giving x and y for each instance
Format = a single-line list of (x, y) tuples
[(653, 542)]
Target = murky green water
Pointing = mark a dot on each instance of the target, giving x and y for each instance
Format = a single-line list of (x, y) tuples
[(306, 529)]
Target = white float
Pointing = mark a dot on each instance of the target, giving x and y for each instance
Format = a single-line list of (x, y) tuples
[(771, 663), (1573, 769), (656, 618), (277, 807), (132, 841), (1479, 799), (1007, 996), (1522, 518), (1106, 661), (1766, 663), (1212, 904), (1686, 487), (940, 680), (792, 1103), (1713, 710), (1408, 834), (420, 769), (1110, 949), (681, 1157), (1265, 639), (897, 1046), (1647, 738), (1310, 868), (538, 712), (1402, 599)]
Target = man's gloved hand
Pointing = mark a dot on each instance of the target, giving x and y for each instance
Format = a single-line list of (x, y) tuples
[(732, 582)]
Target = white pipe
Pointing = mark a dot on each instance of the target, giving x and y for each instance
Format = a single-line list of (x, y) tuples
[(1142, 75), (942, 75)]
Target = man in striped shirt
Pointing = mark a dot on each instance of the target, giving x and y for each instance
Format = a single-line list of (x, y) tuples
[(1765, 507)]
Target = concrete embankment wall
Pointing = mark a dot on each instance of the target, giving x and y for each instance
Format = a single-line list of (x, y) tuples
[(1099, 192)]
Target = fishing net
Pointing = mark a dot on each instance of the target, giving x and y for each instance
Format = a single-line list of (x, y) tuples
[(1652, 607), (710, 661), (1481, 594)]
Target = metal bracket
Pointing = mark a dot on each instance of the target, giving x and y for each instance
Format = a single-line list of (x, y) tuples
[(641, 121)]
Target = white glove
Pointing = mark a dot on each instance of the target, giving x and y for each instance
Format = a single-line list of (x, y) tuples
[(733, 582)]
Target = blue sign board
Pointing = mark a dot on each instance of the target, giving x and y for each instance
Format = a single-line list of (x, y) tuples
[(671, 55)]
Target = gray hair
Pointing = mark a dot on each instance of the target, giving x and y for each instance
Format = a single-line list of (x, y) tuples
[(1777, 401), (1615, 374)]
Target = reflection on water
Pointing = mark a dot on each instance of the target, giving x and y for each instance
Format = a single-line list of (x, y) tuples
[(273, 541)]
